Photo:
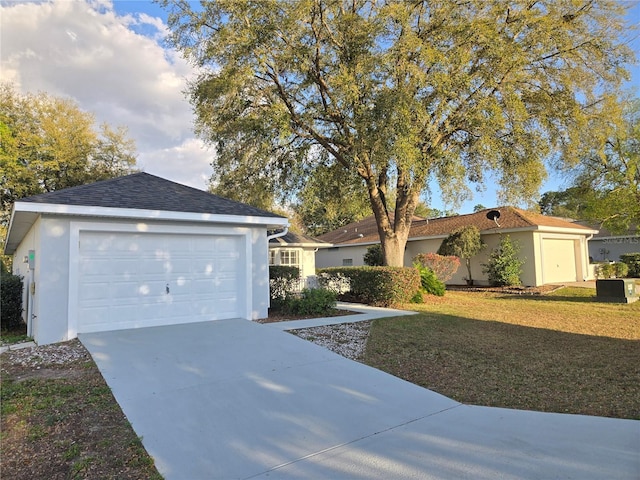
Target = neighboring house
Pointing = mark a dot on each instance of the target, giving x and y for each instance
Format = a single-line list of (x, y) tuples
[(605, 246), (554, 250), (297, 250), (137, 251)]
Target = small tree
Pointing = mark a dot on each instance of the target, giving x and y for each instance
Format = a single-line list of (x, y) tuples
[(464, 243), (504, 267), (374, 256)]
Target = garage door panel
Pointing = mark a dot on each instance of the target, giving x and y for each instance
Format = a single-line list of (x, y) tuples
[(559, 260), (123, 279)]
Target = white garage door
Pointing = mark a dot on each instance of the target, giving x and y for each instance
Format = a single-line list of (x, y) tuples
[(558, 260), (130, 280)]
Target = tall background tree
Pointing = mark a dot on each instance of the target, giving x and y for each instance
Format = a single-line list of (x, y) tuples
[(48, 143), (605, 187), (399, 93)]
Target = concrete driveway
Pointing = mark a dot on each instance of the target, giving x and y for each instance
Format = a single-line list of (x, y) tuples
[(235, 399)]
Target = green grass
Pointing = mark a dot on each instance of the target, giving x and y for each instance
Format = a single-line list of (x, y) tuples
[(563, 353), (63, 422)]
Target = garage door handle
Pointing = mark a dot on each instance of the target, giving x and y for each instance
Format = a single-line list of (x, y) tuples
[(167, 288)]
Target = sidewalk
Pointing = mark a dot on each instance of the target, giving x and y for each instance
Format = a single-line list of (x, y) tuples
[(365, 312)]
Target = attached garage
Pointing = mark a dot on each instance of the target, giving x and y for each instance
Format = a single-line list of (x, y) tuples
[(116, 255)]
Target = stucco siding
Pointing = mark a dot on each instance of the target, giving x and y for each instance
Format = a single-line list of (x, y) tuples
[(336, 256), (56, 243), (610, 248), (259, 266)]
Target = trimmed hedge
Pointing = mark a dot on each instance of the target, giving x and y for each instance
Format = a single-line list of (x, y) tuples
[(632, 260), (11, 301), (380, 286)]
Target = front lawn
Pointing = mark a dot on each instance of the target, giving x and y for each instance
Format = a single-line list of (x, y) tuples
[(59, 419), (562, 352)]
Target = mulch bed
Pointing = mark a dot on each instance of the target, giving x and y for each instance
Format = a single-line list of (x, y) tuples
[(280, 316)]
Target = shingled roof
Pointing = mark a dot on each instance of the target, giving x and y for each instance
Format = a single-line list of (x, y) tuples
[(366, 230), (147, 192), (292, 238)]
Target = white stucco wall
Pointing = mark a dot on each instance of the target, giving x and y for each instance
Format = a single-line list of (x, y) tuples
[(610, 248), (55, 241), (531, 251), (335, 256)]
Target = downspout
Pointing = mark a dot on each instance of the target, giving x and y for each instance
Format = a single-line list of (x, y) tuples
[(586, 275), (278, 235)]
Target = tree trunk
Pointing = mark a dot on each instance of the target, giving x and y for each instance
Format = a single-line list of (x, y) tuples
[(393, 250), (393, 235), (468, 262)]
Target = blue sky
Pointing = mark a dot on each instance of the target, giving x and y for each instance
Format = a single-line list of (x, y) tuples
[(108, 56)]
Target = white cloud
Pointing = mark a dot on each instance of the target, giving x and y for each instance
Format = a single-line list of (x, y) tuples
[(190, 160), (86, 51)]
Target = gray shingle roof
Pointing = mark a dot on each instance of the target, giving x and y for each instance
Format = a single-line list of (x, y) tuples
[(147, 192), (292, 238)]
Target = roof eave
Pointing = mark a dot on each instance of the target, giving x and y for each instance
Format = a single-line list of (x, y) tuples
[(25, 214)]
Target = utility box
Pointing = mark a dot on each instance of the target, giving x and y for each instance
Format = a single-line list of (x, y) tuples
[(617, 290)]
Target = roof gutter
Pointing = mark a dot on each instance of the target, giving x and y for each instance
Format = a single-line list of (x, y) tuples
[(278, 234)]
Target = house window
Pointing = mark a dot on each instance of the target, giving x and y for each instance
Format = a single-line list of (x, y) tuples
[(272, 257), (290, 258), (347, 262)]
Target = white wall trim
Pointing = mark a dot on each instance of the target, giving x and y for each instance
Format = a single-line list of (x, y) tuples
[(76, 227), (134, 213)]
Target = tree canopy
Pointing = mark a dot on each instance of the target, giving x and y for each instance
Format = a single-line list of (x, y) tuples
[(606, 184), (49, 143), (399, 93)]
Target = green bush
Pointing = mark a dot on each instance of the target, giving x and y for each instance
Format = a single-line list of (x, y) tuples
[(374, 256), (632, 260), (312, 302), (620, 270), (504, 266), (380, 286), (429, 281), (612, 270), (10, 301), (444, 266), (283, 282)]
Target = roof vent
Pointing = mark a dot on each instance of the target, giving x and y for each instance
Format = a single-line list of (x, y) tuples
[(494, 215), (360, 235)]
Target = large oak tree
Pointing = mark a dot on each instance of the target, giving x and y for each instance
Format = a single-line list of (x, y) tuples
[(400, 92)]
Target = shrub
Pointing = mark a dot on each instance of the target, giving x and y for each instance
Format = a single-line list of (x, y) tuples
[(381, 286), (632, 260), (374, 256), (620, 270), (504, 267), (11, 301), (444, 266), (312, 302), (283, 282), (464, 243), (611, 270), (429, 281), (604, 270)]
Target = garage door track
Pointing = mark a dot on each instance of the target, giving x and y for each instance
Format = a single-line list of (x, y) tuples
[(233, 399)]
